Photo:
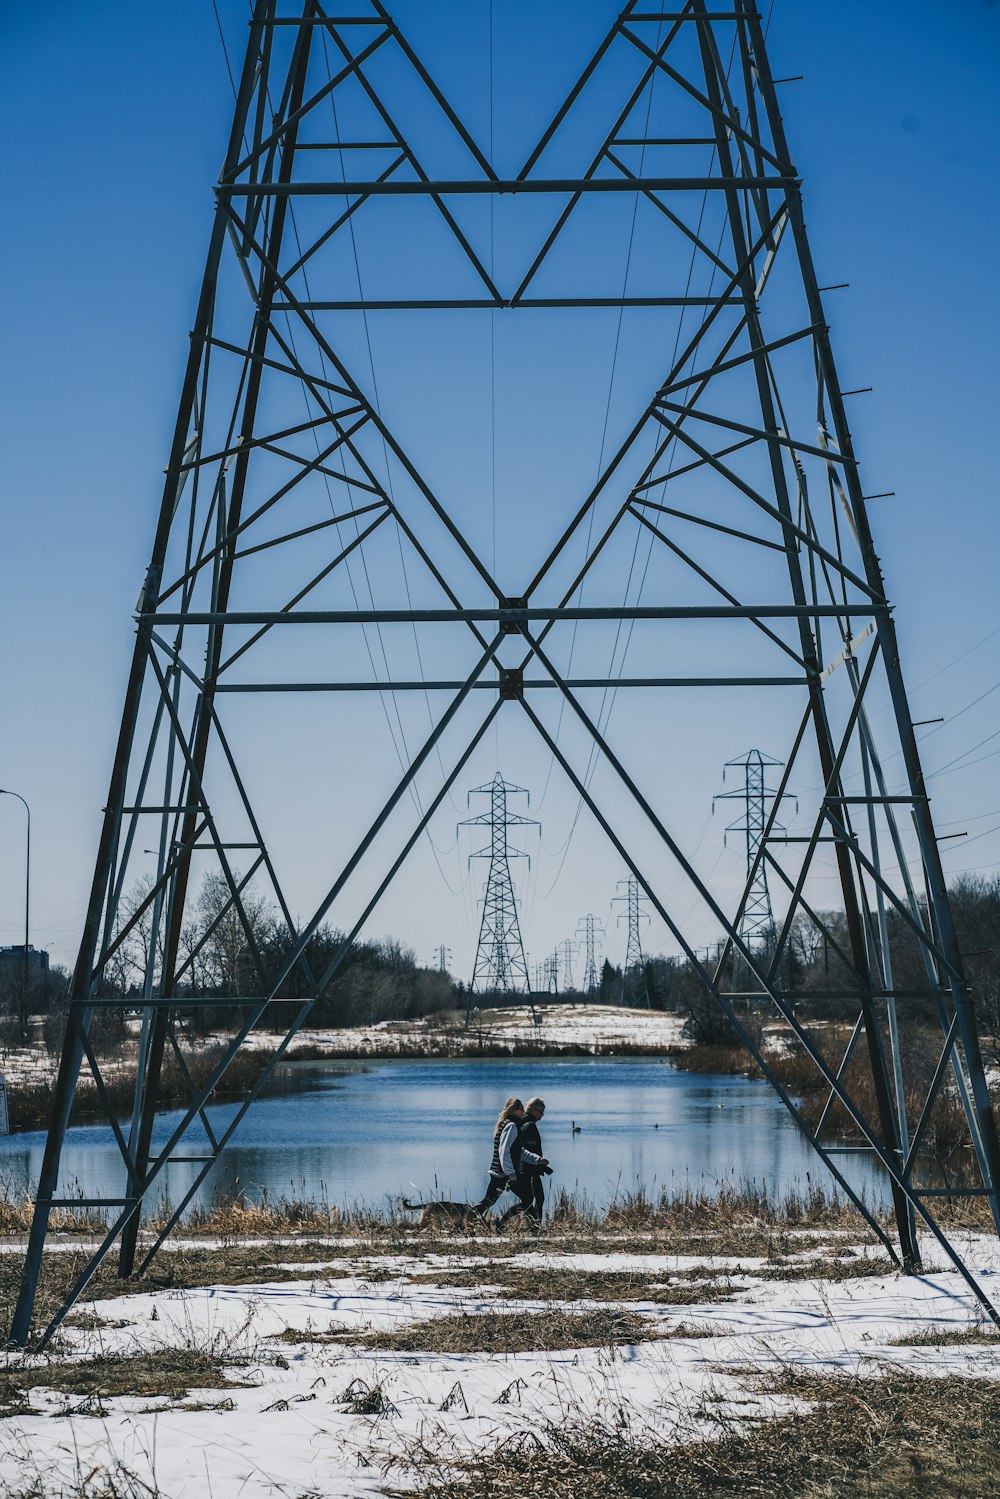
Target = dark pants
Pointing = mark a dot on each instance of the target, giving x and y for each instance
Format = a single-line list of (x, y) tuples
[(537, 1195), (521, 1187), (496, 1188)]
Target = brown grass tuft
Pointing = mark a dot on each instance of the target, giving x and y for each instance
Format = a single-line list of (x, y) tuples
[(173, 1372), (512, 1332), (898, 1437), (949, 1337)]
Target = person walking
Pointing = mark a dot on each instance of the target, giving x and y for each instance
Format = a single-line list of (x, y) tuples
[(508, 1156), (531, 1145)]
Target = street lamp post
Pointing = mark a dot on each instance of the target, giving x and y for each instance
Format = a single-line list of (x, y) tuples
[(27, 883)]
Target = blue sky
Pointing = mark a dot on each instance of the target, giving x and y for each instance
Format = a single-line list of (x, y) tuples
[(120, 116)]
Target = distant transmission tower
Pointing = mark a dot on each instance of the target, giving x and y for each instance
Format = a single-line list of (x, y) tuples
[(568, 949), (591, 935), (633, 951), (501, 966), (443, 958), (756, 928)]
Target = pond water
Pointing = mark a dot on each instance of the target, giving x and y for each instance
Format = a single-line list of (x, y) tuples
[(352, 1133)]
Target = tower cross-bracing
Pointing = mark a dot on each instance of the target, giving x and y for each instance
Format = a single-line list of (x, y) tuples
[(312, 518)]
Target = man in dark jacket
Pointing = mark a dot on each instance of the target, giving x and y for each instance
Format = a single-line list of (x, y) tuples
[(531, 1144)]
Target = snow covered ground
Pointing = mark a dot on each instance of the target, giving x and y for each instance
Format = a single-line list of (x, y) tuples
[(290, 1431), (592, 1027), (602, 1028)]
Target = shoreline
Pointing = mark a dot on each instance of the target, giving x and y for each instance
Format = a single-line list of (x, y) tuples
[(565, 1031)]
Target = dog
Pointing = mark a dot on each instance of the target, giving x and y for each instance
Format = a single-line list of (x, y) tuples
[(453, 1215)]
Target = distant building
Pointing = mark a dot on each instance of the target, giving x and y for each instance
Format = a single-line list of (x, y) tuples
[(12, 962)]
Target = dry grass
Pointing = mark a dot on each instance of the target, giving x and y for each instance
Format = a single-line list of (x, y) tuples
[(556, 1283), (276, 1262), (171, 1372), (298, 1336), (510, 1332), (798, 1236), (719, 1061), (31, 1101), (363, 1399), (88, 1482), (463, 1043), (172, 1269), (949, 1337), (846, 1267), (729, 1210), (897, 1437)]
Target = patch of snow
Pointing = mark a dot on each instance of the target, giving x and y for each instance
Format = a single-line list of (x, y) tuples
[(289, 1431)]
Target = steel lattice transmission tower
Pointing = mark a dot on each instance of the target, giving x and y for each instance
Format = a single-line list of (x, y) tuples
[(443, 956), (500, 967), (567, 948), (757, 920), (550, 973), (589, 932), (286, 473), (634, 962)]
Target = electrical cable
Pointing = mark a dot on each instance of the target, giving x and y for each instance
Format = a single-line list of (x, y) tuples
[(578, 598), (403, 758), (592, 762), (975, 817), (952, 718), (950, 768), (947, 666), (225, 51), (604, 712), (949, 765), (389, 489), (985, 834)]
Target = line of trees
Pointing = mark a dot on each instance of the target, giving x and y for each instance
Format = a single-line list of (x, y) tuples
[(223, 957), (813, 969), (381, 980)]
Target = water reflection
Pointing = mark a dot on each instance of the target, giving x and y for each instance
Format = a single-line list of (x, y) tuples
[(361, 1134)]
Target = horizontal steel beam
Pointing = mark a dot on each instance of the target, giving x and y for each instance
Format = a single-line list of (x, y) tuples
[(300, 21), (516, 617), (137, 1003), (467, 304), (867, 801), (89, 1202), (439, 686), (952, 1192), (497, 186), (334, 21), (843, 994)]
